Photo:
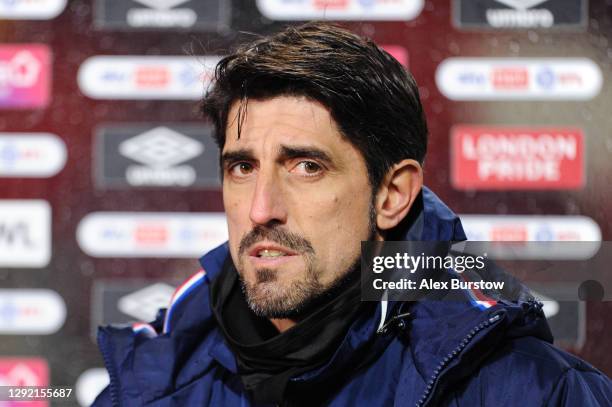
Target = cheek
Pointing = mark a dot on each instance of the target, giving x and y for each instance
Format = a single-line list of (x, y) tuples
[(237, 221), (341, 226)]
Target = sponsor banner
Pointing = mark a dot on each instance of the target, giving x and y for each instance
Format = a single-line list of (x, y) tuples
[(31, 155), (89, 384), (519, 78), (521, 228), (24, 372), (520, 14), (151, 234), (484, 157), (25, 76), (31, 311), (146, 77), (25, 233), (398, 52), (388, 10), (174, 155), (31, 9), (122, 303), (162, 14)]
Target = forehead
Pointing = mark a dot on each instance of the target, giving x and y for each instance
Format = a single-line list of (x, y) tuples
[(283, 119)]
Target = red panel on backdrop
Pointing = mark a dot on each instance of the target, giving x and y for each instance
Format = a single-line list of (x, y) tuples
[(485, 157)]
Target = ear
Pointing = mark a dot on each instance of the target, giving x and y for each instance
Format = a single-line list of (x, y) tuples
[(397, 193)]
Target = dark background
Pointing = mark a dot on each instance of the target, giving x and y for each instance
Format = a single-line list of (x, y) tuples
[(429, 39)]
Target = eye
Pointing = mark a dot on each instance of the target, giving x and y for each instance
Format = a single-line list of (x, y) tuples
[(241, 169), (308, 168)]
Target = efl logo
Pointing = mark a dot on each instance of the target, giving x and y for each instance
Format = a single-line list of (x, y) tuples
[(31, 312), (25, 233), (89, 384), (389, 10), (146, 234), (519, 79), (31, 9), (146, 77), (163, 156), (162, 14), (508, 14), (25, 76), (31, 155), (518, 228), (517, 158), (24, 372)]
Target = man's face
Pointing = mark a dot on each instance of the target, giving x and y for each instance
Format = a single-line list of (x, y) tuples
[(297, 200)]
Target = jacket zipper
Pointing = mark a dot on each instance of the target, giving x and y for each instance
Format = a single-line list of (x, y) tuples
[(452, 355), (111, 370)]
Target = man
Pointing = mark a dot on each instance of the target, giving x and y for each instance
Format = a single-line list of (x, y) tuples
[(322, 138)]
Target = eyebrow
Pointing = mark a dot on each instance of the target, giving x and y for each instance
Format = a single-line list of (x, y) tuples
[(237, 155), (289, 153), (285, 153)]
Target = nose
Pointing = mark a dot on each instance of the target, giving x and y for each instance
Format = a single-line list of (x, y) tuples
[(267, 204)]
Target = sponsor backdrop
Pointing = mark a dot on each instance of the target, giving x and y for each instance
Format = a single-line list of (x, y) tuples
[(109, 187)]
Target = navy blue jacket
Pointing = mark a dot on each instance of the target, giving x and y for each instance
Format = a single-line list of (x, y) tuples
[(472, 353)]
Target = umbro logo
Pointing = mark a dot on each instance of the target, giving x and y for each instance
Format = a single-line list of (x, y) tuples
[(161, 148), (177, 155), (144, 303), (161, 4), (521, 4)]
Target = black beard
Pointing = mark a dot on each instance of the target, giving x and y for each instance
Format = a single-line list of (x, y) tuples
[(313, 294), (312, 302)]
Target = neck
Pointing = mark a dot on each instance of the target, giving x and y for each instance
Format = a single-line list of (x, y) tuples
[(282, 324)]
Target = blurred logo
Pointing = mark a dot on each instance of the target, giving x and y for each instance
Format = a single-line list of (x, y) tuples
[(391, 10), (162, 14), (31, 155), (144, 303), (520, 228), (162, 156), (517, 158), (25, 233), (122, 303), (31, 9), (510, 78), (31, 312), (519, 79), (24, 372), (146, 77), (89, 384), (520, 13), (146, 234), (161, 150), (25, 76)]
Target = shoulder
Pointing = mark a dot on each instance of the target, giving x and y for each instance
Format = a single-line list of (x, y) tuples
[(532, 353), (535, 372)]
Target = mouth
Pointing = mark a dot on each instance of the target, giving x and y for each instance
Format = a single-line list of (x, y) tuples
[(270, 250), (270, 253)]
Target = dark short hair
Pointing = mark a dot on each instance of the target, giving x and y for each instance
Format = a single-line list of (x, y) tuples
[(371, 97)]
